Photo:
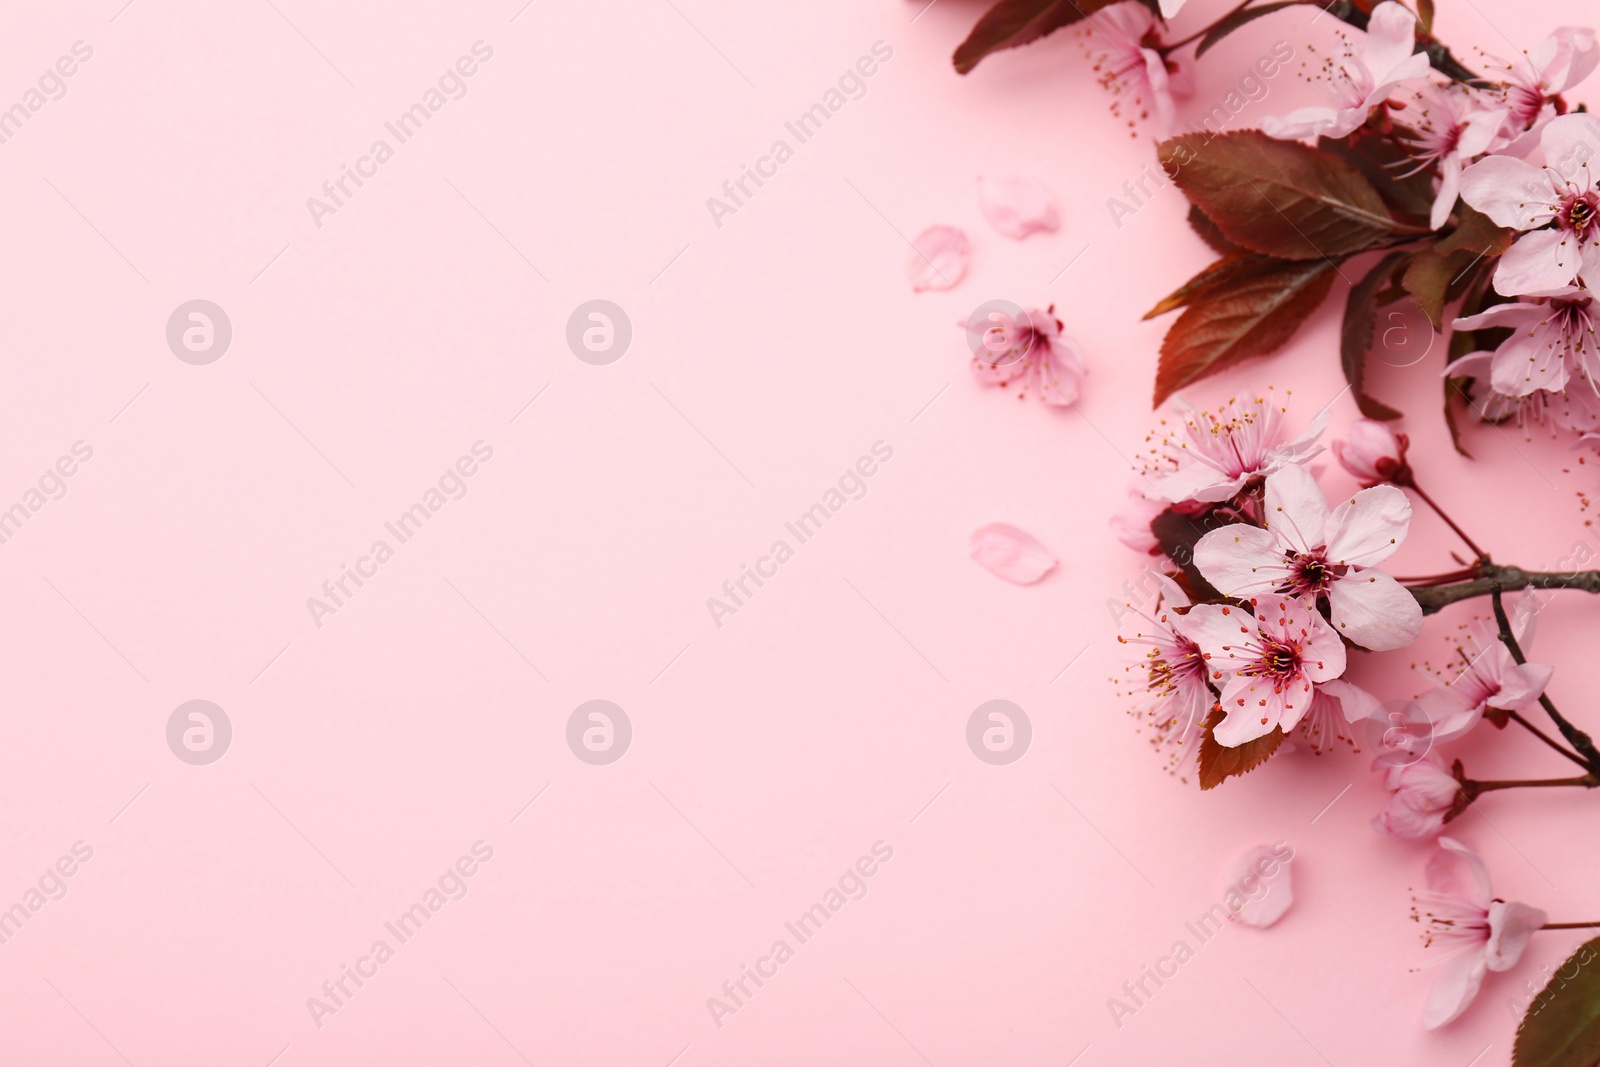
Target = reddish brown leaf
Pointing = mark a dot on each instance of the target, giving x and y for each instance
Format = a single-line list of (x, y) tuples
[(1200, 224), (1012, 23), (1218, 274), (1218, 764), (1562, 1025), (1355, 335), (1280, 198), (1251, 315), (1438, 273)]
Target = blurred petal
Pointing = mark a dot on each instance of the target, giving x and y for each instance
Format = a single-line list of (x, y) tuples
[(1257, 898), (1018, 207), (1011, 553), (938, 259)]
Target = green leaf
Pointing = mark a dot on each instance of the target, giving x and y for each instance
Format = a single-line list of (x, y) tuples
[(1218, 764), (1012, 23), (1355, 335), (1253, 313), (1562, 1025), (1233, 20), (1280, 198)]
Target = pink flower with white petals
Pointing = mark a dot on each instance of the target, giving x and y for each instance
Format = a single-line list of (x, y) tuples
[(1553, 338), (1424, 791), (1483, 675), (1031, 354), (1449, 131), (1561, 61), (1308, 551), (1169, 680), (1557, 204), (1266, 660), (1362, 81), (1215, 454), (1481, 933), (1372, 452), (1121, 41)]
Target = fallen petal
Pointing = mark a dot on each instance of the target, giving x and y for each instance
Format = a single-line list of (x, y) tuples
[(938, 259), (1011, 553), (1259, 885), (1018, 207)]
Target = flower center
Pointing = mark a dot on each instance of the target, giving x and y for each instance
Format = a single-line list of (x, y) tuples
[(1578, 213), (1310, 575)]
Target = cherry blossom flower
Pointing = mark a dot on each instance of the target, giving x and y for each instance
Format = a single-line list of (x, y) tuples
[(1482, 933), (1215, 454), (1362, 81), (1266, 661), (1449, 131), (1553, 337), (1122, 42), (1424, 791), (1482, 675), (1033, 353), (1576, 408), (1170, 680), (1335, 706), (1371, 451), (1309, 552), (1561, 61), (1557, 203)]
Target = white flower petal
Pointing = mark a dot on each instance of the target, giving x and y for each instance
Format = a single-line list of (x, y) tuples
[(1366, 529), (1241, 560), (1296, 510)]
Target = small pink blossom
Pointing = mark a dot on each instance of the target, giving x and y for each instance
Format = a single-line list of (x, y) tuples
[(1574, 408), (1553, 339), (1362, 81), (1424, 793), (1449, 131), (1265, 660), (1556, 204), (1169, 680), (1030, 354), (1214, 454), (1561, 61), (1481, 933), (1308, 551), (1371, 451), (1483, 675), (1122, 41)]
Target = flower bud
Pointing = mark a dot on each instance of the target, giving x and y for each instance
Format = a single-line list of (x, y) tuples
[(1372, 452)]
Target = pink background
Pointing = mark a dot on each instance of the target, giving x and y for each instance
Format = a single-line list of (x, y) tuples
[(768, 754)]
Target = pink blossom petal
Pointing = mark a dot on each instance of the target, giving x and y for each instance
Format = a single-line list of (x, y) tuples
[(1458, 981), (1375, 611), (938, 259), (1260, 886), (1241, 560), (1543, 259), (1011, 553), (1457, 871), (1521, 685), (1566, 57), (1511, 925), (1296, 510), (1018, 207), (1366, 529), (1512, 192), (1391, 32)]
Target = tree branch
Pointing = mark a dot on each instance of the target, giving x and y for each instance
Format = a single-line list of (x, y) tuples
[(1575, 737), (1508, 579)]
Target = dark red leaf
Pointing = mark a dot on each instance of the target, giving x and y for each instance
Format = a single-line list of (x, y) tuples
[(1218, 764), (1012, 23), (1355, 336)]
